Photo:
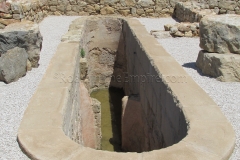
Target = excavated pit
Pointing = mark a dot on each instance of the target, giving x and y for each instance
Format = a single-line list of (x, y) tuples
[(131, 116)]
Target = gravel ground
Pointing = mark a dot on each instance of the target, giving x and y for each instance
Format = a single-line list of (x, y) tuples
[(15, 96), (185, 51)]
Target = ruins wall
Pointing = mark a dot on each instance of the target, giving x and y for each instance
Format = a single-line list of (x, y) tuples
[(36, 10)]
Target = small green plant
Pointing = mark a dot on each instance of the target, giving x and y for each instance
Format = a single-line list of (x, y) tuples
[(82, 53)]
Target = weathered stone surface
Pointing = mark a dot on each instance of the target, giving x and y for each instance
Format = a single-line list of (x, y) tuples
[(213, 4), (140, 11), (90, 9), (5, 7), (71, 13), (224, 67), (160, 34), (145, 3), (16, 8), (83, 68), (179, 34), (129, 2), (227, 4), (17, 16), (2, 26), (107, 10), (6, 15), (191, 12), (88, 118), (124, 12), (220, 34), (29, 65), (13, 64), (52, 2), (61, 8), (173, 29), (26, 7), (109, 2), (8, 21), (167, 27), (183, 29), (24, 35), (188, 34), (92, 1)]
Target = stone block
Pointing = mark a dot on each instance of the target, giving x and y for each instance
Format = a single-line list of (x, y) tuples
[(220, 34), (224, 67)]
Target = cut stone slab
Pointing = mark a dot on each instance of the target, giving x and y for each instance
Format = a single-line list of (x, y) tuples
[(224, 67), (24, 35), (220, 33), (13, 64)]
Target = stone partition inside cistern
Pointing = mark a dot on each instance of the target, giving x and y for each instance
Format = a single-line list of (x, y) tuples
[(165, 114)]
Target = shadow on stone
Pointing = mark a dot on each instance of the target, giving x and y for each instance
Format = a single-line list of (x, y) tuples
[(193, 66), (115, 101)]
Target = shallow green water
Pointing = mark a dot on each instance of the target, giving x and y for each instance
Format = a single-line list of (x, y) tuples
[(111, 108)]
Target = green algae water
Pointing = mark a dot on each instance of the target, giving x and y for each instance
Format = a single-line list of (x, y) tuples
[(111, 110)]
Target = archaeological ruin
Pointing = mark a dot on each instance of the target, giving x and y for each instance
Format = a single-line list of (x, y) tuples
[(161, 118), (111, 90)]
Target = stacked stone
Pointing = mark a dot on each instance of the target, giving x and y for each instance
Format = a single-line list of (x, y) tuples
[(220, 41), (195, 11), (183, 29), (225, 6), (7, 15), (36, 10), (105, 7)]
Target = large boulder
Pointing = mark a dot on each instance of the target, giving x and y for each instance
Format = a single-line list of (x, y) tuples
[(191, 11), (24, 35), (13, 64), (220, 33), (224, 67)]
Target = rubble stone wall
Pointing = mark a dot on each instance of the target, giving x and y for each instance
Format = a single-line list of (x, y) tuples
[(192, 11), (36, 10), (224, 6)]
